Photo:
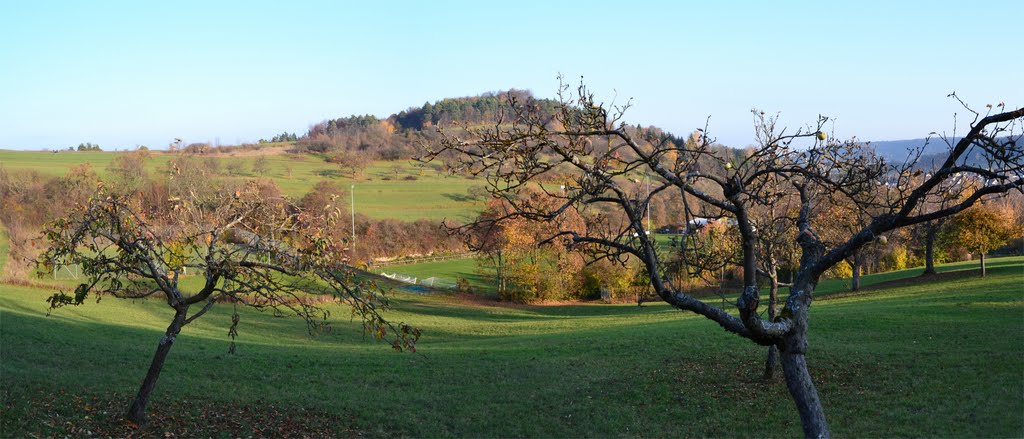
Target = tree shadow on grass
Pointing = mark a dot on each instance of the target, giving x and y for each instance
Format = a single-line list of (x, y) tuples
[(461, 198), (330, 173)]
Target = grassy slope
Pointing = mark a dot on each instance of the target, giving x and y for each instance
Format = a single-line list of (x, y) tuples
[(431, 196), (449, 271), (937, 360), (833, 286)]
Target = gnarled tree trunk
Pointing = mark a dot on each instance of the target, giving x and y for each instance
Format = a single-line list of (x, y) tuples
[(805, 395), (794, 364), (137, 411)]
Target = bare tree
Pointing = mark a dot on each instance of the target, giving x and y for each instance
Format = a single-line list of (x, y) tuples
[(248, 250), (589, 142), (774, 226), (129, 170), (353, 161), (234, 167), (261, 166)]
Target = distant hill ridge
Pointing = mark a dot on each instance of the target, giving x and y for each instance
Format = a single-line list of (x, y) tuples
[(935, 148), (900, 148)]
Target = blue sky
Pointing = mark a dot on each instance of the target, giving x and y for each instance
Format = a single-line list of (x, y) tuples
[(126, 73)]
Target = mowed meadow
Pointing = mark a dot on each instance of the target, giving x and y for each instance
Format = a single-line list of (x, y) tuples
[(910, 357)]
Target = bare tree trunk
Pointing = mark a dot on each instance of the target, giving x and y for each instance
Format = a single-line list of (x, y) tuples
[(929, 249), (501, 275), (982, 263), (770, 362), (855, 282), (805, 395), (773, 299), (137, 411), (794, 363), (857, 262)]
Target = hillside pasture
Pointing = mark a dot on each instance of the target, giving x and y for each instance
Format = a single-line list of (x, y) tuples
[(403, 190)]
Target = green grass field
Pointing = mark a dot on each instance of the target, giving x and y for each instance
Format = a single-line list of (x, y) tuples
[(930, 359), (382, 190)]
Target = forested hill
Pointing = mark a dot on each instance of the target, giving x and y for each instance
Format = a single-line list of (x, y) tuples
[(483, 109), (396, 136)]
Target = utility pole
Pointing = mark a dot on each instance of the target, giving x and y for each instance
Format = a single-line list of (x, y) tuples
[(352, 192)]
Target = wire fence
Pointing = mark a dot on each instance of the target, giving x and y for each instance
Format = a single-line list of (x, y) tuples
[(435, 282), (400, 277), (62, 272), (432, 282)]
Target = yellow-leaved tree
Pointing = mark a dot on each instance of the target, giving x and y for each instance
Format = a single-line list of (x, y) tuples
[(981, 229)]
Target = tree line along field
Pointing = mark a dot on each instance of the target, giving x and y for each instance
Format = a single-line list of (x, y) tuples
[(481, 278), (402, 190), (885, 362), (482, 281)]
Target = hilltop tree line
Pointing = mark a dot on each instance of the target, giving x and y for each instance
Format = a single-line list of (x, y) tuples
[(399, 136), (88, 147), (283, 137)]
